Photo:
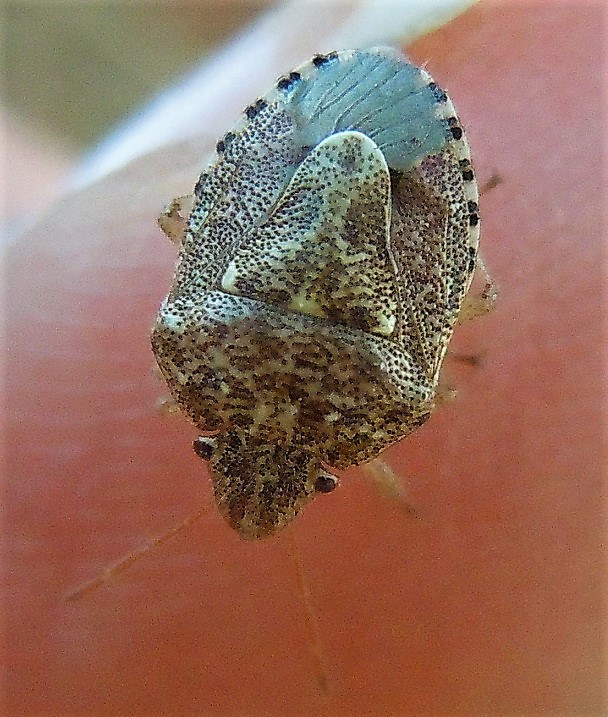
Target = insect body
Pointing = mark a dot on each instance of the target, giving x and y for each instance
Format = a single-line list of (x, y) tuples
[(321, 272)]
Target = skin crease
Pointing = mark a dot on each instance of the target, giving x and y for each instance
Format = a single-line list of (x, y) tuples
[(490, 602)]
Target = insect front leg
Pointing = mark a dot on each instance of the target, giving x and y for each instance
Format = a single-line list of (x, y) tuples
[(389, 484), (174, 218)]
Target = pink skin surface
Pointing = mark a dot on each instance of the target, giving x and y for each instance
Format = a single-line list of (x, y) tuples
[(492, 601)]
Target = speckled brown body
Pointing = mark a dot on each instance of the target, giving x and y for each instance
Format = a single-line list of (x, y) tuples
[(320, 277)]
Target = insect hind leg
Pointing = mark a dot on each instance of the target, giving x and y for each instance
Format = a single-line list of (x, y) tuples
[(475, 305)]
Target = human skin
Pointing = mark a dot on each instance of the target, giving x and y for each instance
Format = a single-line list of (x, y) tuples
[(490, 601)]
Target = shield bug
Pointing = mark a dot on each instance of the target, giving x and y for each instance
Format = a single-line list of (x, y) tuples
[(323, 265)]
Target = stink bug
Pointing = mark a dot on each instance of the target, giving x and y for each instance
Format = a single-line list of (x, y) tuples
[(324, 262)]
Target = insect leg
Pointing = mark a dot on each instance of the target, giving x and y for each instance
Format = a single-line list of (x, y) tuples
[(174, 218), (389, 484)]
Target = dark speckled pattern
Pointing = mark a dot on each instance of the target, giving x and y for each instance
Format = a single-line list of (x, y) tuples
[(321, 273)]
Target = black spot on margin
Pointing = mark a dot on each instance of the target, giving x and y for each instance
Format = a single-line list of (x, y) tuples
[(439, 94), (289, 80), (320, 60), (254, 109)]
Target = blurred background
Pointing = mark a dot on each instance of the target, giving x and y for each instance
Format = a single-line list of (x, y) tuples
[(494, 601), (74, 70)]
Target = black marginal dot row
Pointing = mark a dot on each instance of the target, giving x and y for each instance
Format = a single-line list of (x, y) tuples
[(224, 142), (440, 95), (455, 127), (200, 184), (467, 171), (289, 80), (472, 258), (320, 60), (473, 208), (254, 109)]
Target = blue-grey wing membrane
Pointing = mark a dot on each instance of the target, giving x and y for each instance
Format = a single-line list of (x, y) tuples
[(379, 94)]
